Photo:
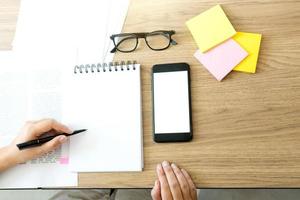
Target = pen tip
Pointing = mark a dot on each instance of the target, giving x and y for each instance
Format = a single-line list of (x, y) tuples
[(79, 131)]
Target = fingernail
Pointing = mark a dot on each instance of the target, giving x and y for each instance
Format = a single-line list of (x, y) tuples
[(165, 163), (62, 139), (158, 167), (173, 165)]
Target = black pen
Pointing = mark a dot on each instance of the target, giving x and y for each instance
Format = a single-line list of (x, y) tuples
[(40, 141)]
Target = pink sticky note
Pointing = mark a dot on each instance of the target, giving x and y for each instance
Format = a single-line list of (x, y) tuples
[(64, 160), (220, 60)]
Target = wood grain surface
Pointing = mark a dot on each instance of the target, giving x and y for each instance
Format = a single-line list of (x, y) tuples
[(247, 127)]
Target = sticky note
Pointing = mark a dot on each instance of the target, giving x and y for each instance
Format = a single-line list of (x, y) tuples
[(210, 28), (220, 60), (251, 43)]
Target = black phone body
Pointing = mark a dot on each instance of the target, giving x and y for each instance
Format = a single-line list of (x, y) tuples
[(171, 103)]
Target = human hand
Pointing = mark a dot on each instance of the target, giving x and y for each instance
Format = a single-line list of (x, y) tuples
[(173, 183), (33, 130)]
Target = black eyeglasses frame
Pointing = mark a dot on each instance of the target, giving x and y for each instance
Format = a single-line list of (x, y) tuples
[(144, 35)]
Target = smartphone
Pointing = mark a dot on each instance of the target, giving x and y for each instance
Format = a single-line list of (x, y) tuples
[(171, 102)]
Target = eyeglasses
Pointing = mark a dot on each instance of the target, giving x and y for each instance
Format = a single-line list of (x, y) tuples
[(156, 40)]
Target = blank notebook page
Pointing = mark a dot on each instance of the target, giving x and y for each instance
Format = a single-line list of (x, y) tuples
[(108, 104)]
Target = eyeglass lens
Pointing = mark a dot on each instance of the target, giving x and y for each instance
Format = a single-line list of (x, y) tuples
[(126, 43), (158, 40)]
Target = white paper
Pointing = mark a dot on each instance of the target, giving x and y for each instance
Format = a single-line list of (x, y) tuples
[(117, 17), (47, 36), (83, 24), (44, 25), (47, 171), (13, 95), (108, 104), (31, 94), (171, 102)]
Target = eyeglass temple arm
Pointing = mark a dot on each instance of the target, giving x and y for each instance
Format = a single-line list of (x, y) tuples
[(173, 42), (113, 50)]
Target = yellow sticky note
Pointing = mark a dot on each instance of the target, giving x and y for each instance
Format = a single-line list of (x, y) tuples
[(251, 43), (210, 28)]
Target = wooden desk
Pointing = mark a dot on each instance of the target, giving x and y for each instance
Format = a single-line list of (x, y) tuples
[(246, 128)]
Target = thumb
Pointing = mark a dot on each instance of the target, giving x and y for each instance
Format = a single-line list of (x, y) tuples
[(155, 192), (54, 143)]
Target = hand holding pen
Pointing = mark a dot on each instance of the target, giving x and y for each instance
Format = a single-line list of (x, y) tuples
[(42, 140), (31, 131)]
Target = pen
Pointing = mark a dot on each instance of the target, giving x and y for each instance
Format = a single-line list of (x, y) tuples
[(40, 141)]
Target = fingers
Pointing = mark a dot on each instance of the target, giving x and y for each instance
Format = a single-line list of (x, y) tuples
[(164, 186), (42, 126), (172, 181), (182, 182), (155, 192), (175, 183), (192, 186), (53, 144)]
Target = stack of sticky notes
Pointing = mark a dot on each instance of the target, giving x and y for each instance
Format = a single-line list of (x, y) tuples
[(221, 48)]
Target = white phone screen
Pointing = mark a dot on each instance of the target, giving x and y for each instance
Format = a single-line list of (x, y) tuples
[(171, 102)]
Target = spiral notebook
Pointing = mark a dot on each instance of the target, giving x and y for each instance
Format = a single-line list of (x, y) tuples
[(106, 100)]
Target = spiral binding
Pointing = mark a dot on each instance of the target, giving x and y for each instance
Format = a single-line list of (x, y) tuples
[(105, 67)]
